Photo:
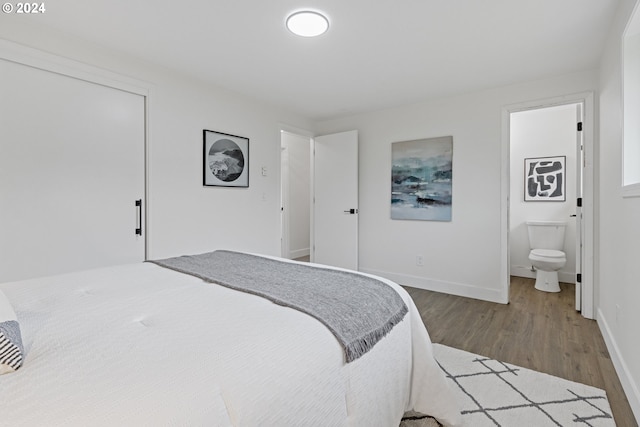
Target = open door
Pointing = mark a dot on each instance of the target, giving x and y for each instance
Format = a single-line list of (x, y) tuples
[(578, 214), (335, 204)]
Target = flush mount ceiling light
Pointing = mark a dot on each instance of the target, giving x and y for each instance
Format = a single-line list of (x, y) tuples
[(307, 23)]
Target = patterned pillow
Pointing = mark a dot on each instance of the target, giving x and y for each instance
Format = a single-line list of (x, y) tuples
[(11, 350)]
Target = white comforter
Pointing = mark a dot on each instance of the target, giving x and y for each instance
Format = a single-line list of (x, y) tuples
[(141, 345)]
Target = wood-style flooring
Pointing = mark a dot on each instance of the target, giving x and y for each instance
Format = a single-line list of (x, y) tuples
[(536, 330)]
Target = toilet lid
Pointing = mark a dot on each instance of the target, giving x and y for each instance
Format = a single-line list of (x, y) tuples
[(548, 253)]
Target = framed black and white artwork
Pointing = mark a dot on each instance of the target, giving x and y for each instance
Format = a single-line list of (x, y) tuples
[(544, 179), (225, 160)]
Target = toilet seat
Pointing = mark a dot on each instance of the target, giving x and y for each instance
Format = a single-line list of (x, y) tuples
[(547, 254)]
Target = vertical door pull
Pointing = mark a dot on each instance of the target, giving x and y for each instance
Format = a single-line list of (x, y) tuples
[(139, 225)]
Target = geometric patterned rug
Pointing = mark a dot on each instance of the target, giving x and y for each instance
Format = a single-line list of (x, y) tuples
[(494, 393)]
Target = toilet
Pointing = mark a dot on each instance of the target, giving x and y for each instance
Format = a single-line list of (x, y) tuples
[(546, 241)]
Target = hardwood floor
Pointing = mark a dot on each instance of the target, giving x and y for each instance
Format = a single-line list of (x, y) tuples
[(536, 330)]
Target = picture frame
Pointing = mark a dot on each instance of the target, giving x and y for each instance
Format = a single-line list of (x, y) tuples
[(421, 179), (225, 160), (545, 179)]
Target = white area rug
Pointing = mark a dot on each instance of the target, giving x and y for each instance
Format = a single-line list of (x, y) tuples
[(493, 393)]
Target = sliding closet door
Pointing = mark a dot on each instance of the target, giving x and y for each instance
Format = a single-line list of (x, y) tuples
[(71, 169)]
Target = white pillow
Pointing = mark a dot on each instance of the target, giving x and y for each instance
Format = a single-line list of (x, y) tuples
[(11, 349)]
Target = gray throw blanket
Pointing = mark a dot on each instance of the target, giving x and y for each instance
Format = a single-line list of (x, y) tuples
[(357, 309)]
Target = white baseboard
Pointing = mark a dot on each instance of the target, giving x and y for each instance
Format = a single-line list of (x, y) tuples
[(629, 386), (299, 253), (459, 289)]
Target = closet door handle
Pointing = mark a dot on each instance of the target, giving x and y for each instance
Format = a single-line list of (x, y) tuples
[(139, 208)]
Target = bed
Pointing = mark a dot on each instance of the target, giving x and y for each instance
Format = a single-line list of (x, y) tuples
[(145, 345)]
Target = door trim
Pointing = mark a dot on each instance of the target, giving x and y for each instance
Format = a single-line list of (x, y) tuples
[(45, 61), (588, 191)]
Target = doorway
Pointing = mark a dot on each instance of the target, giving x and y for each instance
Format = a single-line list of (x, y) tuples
[(560, 129), (537, 136), (295, 169), (319, 195)]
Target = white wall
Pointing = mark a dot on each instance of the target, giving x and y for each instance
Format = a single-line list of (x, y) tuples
[(463, 256), (184, 216), (299, 188), (547, 132), (619, 234)]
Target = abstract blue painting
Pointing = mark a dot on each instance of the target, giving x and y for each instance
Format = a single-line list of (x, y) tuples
[(421, 173)]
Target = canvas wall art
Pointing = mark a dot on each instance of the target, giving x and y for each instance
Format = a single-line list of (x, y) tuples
[(544, 179), (421, 173), (225, 160)]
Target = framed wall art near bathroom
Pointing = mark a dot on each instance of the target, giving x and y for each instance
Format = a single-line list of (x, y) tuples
[(421, 172), (225, 160), (544, 179)]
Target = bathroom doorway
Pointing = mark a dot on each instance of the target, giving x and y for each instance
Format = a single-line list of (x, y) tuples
[(550, 131), (543, 135)]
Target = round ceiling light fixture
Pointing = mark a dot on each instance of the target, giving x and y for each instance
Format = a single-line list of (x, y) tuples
[(307, 23)]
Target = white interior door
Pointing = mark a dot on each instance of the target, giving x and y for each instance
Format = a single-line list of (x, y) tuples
[(71, 170), (335, 213), (578, 214)]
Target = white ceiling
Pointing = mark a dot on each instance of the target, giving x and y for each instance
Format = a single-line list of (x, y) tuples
[(377, 53)]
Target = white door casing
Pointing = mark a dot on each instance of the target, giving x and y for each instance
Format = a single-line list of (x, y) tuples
[(335, 212), (72, 165)]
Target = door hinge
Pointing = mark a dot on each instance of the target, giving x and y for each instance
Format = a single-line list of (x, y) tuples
[(579, 202), (579, 126), (579, 278)]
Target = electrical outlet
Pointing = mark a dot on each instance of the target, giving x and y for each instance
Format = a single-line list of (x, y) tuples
[(419, 260)]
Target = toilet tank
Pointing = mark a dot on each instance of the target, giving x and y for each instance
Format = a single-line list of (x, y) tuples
[(546, 234)]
